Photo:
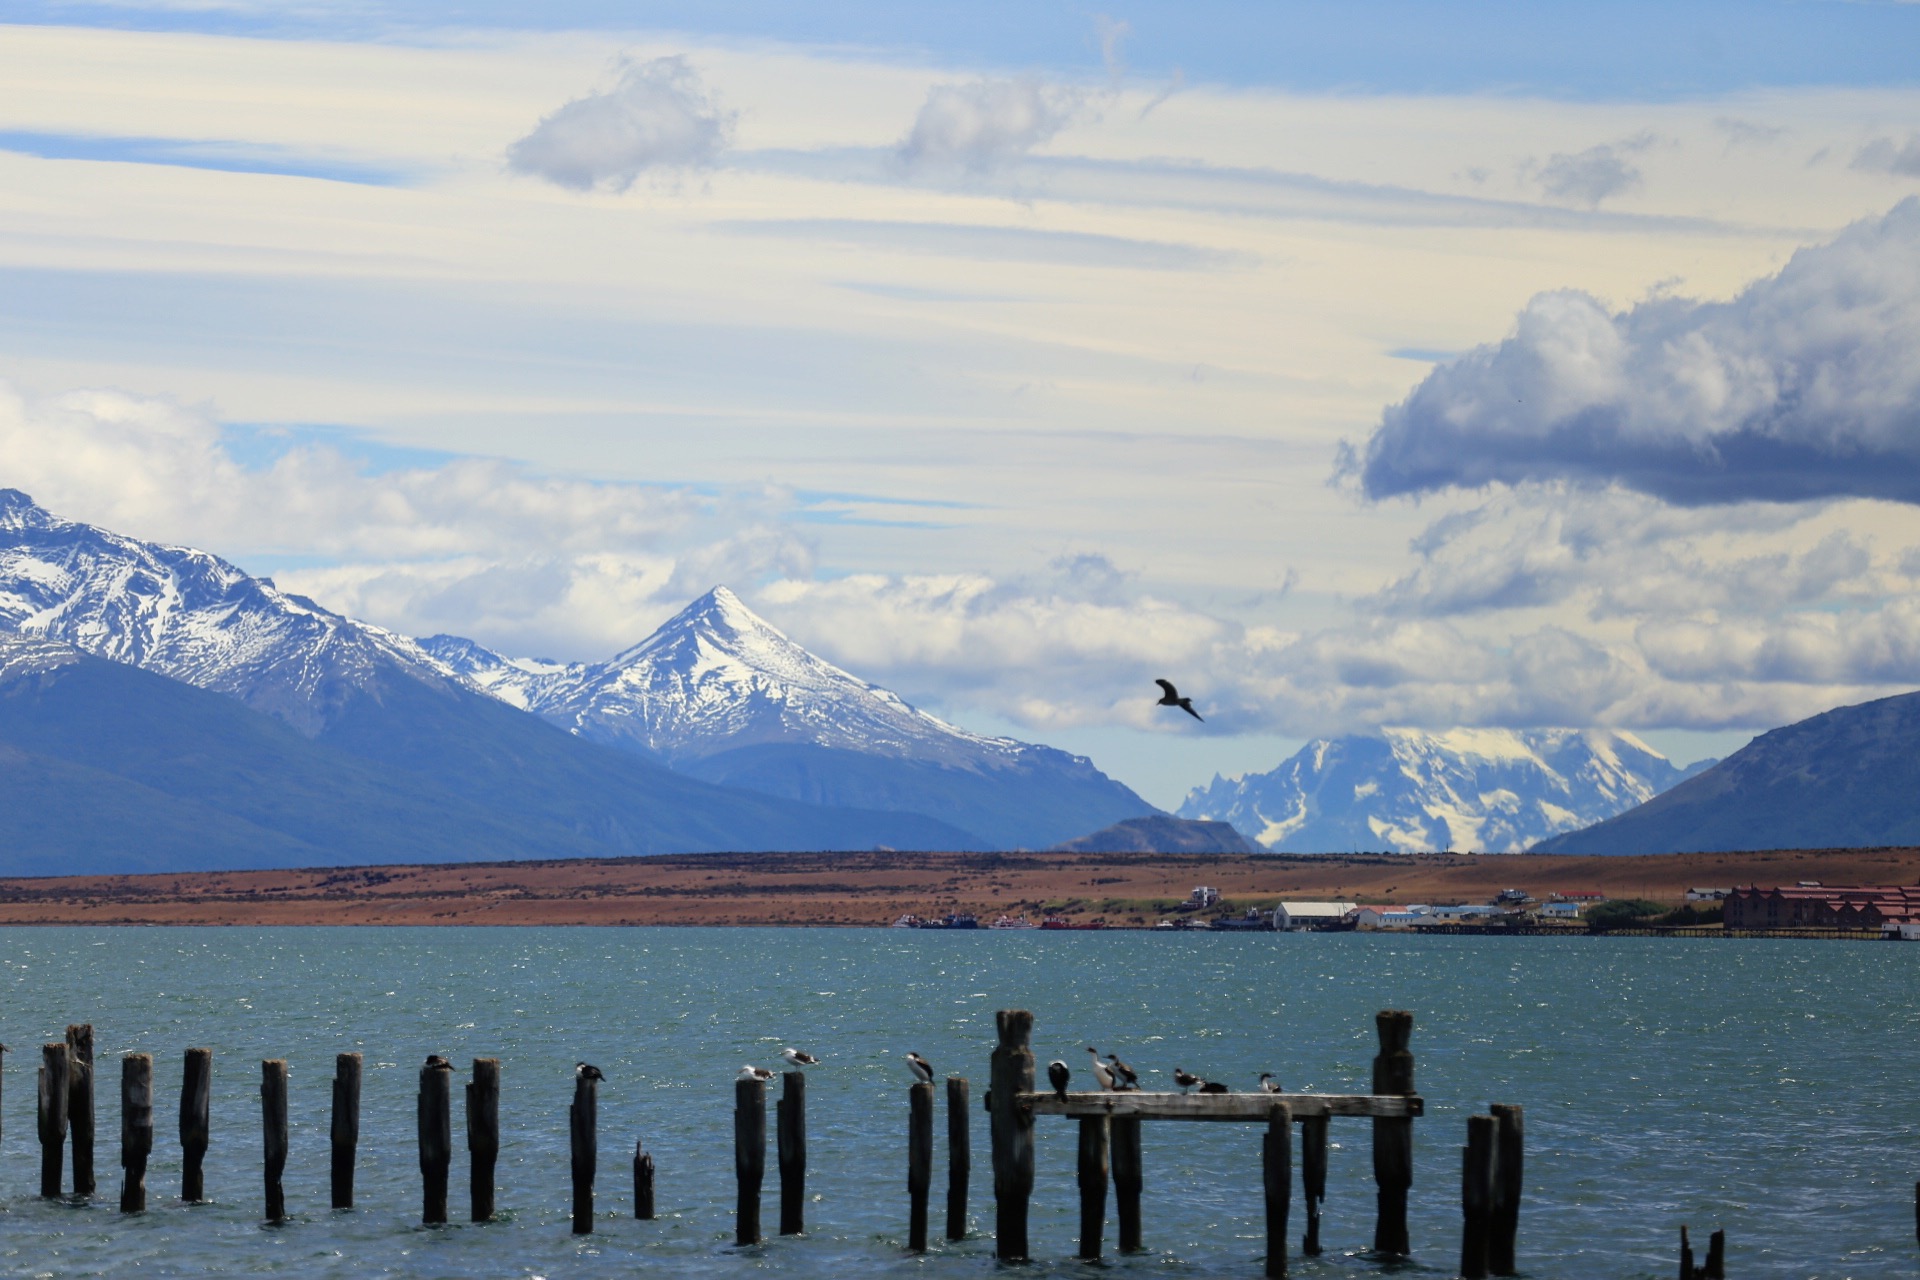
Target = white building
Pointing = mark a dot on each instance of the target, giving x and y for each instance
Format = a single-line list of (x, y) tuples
[(1387, 917), (1561, 911), (1307, 915)]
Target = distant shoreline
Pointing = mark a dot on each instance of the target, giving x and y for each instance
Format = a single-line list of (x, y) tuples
[(872, 889)]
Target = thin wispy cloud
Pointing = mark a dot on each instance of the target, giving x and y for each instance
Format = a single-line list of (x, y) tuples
[(659, 117), (985, 124)]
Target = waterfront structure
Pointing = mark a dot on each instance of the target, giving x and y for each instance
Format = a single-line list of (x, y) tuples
[(1310, 915), (1561, 910), (1817, 906)]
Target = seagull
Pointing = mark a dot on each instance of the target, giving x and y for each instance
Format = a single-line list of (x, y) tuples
[(1269, 1083), (1123, 1075), (751, 1072), (800, 1058), (586, 1071), (435, 1060), (1213, 1086), (1102, 1074), (1058, 1075), (921, 1068), (1185, 1079), (1170, 697)]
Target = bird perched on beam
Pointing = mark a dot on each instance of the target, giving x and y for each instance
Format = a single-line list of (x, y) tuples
[(1185, 1079), (1269, 1083), (1170, 697), (1123, 1075), (799, 1058), (1213, 1086), (1058, 1075), (1102, 1074), (921, 1068), (587, 1071)]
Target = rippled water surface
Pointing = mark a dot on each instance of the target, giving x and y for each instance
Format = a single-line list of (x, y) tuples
[(1761, 1086)]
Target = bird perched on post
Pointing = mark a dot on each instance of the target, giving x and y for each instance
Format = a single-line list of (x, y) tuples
[(1102, 1074), (435, 1060), (1185, 1079), (921, 1068), (1170, 697), (1058, 1075), (799, 1058), (1268, 1084), (587, 1071), (751, 1072), (1123, 1075)]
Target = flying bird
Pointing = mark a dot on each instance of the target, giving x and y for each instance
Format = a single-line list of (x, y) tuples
[(1213, 1086), (587, 1071), (1185, 1079), (1102, 1073), (1170, 697), (1269, 1083), (751, 1072), (1123, 1075), (921, 1068), (800, 1058), (1057, 1075)]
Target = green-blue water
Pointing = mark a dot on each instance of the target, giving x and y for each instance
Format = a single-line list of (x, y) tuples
[(1764, 1087)]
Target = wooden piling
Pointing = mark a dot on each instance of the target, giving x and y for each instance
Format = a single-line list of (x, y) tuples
[(790, 1142), (80, 1105), (1716, 1268), (1276, 1167), (642, 1183), (749, 1156), (1012, 1130), (1393, 1135), (55, 1079), (919, 1162), (583, 1120), (1093, 1171), (273, 1121), (483, 1137), (345, 1130), (433, 1116), (136, 1129), (1123, 1136), (960, 1157), (1476, 1196), (1686, 1256), (1509, 1161), (1313, 1178), (196, 1105)]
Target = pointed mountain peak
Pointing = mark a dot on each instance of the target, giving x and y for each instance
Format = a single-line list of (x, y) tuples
[(721, 610), (18, 511), (722, 621)]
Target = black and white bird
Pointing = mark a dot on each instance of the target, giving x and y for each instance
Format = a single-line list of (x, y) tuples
[(1269, 1083), (435, 1060), (1185, 1079), (1213, 1086), (586, 1071), (1057, 1075), (1102, 1073), (799, 1058), (921, 1068), (751, 1072), (1170, 697), (1123, 1075)]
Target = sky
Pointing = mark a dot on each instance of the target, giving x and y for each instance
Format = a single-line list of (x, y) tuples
[(1349, 364)]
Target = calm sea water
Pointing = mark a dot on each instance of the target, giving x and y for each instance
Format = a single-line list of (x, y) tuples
[(1765, 1087)]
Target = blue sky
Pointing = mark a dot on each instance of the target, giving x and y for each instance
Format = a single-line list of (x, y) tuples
[(1434, 365)]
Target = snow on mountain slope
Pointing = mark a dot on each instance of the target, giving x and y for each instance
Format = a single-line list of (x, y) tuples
[(1490, 790), (192, 616)]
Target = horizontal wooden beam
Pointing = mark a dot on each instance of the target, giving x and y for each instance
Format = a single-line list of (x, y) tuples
[(1218, 1106)]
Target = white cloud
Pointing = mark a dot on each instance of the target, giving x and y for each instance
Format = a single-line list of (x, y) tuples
[(1885, 155), (658, 116), (982, 125)]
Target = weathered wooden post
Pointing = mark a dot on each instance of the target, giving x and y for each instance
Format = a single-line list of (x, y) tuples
[(749, 1156), (1476, 1196), (55, 1078), (919, 1162), (136, 1129), (1686, 1256), (642, 1183), (196, 1106), (583, 1120), (1093, 1171), (1313, 1177), (960, 1157), (80, 1105), (1276, 1166), (345, 1129), (273, 1120), (483, 1137), (790, 1141), (1716, 1268), (1128, 1180), (433, 1116), (1393, 1135), (1012, 1129), (1509, 1161)]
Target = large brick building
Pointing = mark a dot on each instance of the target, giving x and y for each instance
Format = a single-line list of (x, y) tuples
[(1814, 906)]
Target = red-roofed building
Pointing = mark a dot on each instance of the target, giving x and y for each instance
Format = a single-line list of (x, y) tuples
[(1834, 906)]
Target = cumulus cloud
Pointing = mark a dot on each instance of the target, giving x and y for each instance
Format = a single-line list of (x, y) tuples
[(1590, 176), (1805, 386), (658, 116), (983, 125), (1884, 155)]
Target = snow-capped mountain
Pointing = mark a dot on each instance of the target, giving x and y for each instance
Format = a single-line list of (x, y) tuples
[(721, 693), (1487, 790)]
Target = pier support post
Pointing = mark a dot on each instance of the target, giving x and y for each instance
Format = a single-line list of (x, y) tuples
[(1093, 1170), (1476, 1196), (642, 1183), (345, 1129), (196, 1106), (433, 1116), (483, 1137), (55, 1077), (790, 1141), (1393, 1136), (80, 1105), (1716, 1268), (583, 1121), (919, 1162), (1313, 1178), (136, 1129), (749, 1156), (1509, 1161), (1012, 1129), (959, 1157), (273, 1123), (1276, 1166), (1128, 1179), (1686, 1256)]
